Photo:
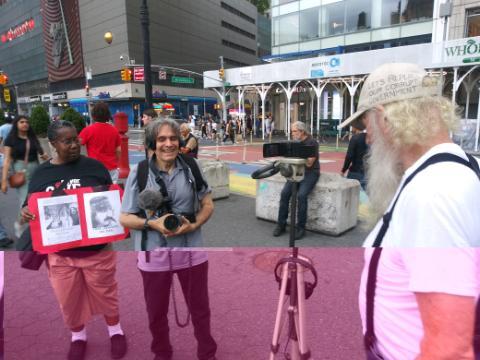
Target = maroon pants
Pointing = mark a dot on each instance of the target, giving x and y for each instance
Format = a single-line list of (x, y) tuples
[(194, 282)]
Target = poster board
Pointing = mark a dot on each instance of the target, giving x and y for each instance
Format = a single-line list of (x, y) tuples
[(80, 217)]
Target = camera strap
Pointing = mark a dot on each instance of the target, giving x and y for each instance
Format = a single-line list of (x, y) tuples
[(188, 295), (370, 340), (167, 201)]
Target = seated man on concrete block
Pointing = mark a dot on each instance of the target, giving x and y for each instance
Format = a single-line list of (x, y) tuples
[(312, 174)]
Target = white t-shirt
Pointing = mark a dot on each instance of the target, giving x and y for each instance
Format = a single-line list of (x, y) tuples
[(401, 273), (427, 248)]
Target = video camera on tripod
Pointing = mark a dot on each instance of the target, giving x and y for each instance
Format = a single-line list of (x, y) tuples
[(292, 165), (289, 271)]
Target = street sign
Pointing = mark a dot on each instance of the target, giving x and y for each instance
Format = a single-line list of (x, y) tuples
[(162, 75), (182, 80), (6, 95), (138, 74)]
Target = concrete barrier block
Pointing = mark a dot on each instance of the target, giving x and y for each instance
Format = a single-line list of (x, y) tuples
[(332, 205), (217, 175)]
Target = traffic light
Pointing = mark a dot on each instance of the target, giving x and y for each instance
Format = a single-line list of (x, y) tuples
[(126, 74), (221, 73), (3, 79)]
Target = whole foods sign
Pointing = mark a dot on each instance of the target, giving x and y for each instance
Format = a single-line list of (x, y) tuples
[(18, 31), (468, 51)]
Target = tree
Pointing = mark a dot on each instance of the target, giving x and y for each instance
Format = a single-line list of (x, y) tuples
[(39, 120), (262, 5), (75, 118)]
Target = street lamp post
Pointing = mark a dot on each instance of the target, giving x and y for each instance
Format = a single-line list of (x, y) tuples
[(146, 54)]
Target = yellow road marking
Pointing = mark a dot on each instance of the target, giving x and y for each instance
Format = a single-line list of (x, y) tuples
[(243, 185)]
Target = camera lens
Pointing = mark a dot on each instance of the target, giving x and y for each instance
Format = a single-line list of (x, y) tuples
[(172, 222)]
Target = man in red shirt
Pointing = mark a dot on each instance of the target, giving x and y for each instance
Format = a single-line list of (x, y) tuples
[(102, 140)]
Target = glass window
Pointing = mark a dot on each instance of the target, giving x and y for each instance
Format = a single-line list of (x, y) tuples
[(286, 29), (332, 18), (390, 12), (309, 24), (413, 10), (358, 15), (288, 8), (472, 27), (307, 4)]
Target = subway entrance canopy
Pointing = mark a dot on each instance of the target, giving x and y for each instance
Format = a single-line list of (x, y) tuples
[(458, 59)]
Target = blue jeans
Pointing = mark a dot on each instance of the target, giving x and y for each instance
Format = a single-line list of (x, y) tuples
[(357, 176), (304, 188)]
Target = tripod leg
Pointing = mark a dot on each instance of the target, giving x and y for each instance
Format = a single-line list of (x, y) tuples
[(301, 316), (278, 318)]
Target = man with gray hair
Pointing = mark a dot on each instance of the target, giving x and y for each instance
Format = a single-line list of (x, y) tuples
[(421, 281), (180, 188), (312, 173)]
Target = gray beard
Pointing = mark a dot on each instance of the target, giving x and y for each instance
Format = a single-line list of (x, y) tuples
[(384, 173)]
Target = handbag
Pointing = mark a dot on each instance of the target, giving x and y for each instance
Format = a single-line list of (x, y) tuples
[(18, 178), (29, 258)]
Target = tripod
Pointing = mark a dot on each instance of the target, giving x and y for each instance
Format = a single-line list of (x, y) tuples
[(293, 267)]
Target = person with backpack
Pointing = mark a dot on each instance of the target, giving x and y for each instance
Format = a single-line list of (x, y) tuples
[(165, 184), (421, 280)]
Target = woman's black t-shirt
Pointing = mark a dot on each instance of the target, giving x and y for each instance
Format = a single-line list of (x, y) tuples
[(83, 172), (19, 146)]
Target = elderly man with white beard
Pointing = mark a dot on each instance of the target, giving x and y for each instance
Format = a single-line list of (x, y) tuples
[(421, 277)]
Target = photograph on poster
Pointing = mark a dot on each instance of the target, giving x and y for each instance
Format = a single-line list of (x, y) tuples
[(59, 220), (102, 213)]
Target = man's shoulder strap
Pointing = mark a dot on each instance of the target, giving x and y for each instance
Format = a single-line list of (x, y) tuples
[(142, 175), (197, 174)]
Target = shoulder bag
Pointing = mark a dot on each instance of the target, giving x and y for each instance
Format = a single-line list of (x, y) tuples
[(18, 178)]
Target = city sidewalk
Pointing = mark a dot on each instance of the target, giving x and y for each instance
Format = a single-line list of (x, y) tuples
[(243, 297)]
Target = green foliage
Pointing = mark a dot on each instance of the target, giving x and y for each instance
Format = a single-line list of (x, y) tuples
[(262, 5), (2, 116), (39, 120), (74, 117)]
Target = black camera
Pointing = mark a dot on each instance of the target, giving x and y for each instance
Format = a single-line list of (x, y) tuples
[(172, 222), (289, 149), (156, 205)]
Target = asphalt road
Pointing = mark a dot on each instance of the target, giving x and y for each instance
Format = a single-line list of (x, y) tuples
[(233, 224)]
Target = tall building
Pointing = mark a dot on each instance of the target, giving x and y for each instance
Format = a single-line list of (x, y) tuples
[(48, 47), (303, 28)]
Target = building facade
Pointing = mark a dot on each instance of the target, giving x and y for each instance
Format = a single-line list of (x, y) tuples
[(56, 44), (311, 27)]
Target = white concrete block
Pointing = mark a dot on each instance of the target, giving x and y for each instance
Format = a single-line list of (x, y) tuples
[(332, 205), (217, 175)]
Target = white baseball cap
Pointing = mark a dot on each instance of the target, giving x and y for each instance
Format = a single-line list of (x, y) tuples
[(394, 82)]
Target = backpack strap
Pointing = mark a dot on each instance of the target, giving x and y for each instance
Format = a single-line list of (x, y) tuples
[(142, 175), (370, 337), (197, 174)]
